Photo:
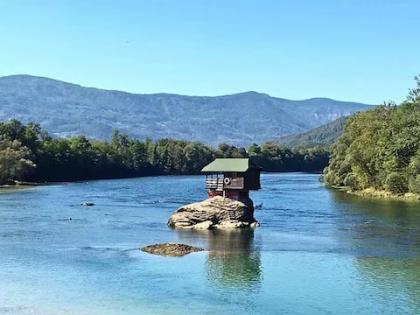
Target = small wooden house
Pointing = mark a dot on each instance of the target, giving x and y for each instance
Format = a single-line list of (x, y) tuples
[(232, 178)]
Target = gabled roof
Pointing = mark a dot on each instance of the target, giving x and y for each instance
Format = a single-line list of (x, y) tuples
[(229, 165)]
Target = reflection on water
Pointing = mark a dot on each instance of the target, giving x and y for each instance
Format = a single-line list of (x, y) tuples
[(378, 227), (386, 236), (403, 212), (233, 260)]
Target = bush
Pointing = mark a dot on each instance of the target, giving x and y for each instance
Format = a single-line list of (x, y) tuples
[(396, 183), (414, 184), (351, 182)]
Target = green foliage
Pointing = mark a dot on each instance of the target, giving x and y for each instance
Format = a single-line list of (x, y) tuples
[(396, 183), (254, 149), (226, 151), (414, 174), (15, 161), (31, 154), (277, 158), (414, 184), (26, 148), (379, 149)]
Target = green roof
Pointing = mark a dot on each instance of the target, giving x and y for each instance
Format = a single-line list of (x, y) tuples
[(227, 165)]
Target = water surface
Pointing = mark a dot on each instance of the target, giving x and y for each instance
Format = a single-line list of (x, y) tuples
[(317, 251)]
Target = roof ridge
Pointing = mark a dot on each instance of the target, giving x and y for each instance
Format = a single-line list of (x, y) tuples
[(240, 165)]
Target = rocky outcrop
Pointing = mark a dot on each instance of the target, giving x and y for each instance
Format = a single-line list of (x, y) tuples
[(168, 249), (214, 213)]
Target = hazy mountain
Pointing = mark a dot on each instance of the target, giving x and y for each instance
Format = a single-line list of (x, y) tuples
[(68, 109), (322, 136)]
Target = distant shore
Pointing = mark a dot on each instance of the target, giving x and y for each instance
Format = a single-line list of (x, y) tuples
[(20, 184)]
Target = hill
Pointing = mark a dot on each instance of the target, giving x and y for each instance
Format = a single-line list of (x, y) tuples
[(323, 136), (66, 109)]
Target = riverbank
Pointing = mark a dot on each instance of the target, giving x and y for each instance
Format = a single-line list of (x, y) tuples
[(379, 194), (20, 184)]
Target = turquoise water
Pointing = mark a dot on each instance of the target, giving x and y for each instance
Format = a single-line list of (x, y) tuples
[(317, 251)]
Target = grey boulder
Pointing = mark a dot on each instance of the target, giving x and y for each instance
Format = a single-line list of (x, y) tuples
[(214, 213)]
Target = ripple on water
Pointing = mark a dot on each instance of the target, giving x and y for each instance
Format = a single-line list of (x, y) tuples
[(317, 251)]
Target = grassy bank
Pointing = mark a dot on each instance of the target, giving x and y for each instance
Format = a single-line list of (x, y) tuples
[(379, 194)]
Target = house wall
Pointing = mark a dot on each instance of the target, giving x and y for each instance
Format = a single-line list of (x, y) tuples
[(252, 180), (249, 180)]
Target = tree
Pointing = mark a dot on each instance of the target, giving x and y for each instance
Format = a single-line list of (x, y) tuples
[(379, 148), (254, 149), (15, 161), (414, 93), (197, 155), (30, 153)]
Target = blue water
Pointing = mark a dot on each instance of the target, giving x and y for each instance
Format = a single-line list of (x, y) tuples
[(317, 251)]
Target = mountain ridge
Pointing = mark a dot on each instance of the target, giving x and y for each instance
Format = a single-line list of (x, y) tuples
[(24, 76), (323, 136), (66, 109)]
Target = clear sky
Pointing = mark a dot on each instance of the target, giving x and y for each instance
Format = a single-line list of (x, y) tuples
[(360, 50)]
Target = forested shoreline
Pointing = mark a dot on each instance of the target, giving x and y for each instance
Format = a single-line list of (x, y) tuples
[(379, 151), (28, 153)]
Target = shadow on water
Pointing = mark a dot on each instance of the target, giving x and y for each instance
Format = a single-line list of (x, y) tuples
[(233, 260), (378, 227), (386, 237), (381, 208)]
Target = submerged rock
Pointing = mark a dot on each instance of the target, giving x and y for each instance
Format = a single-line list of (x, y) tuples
[(87, 204), (168, 249), (216, 212)]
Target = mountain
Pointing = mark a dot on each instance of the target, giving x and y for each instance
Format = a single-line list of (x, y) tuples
[(68, 109), (322, 136)]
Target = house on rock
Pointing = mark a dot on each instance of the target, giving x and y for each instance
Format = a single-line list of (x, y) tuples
[(232, 178)]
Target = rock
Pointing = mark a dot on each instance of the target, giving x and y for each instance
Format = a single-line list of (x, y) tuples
[(216, 212), (259, 206), (231, 225), (87, 204), (168, 249), (206, 225), (254, 224)]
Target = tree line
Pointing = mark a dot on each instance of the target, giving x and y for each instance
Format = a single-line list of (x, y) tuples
[(380, 149), (28, 153)]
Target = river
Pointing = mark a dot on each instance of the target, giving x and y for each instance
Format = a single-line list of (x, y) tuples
[(318, 251)]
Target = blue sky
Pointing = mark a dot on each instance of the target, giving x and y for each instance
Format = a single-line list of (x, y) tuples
[(367, 51)]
